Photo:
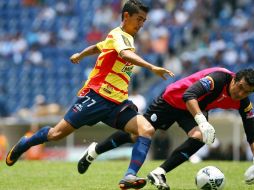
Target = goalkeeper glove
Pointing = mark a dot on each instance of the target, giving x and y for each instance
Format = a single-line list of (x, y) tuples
[(207, 130)]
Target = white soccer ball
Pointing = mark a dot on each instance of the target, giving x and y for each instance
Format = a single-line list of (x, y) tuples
[(210, 178)]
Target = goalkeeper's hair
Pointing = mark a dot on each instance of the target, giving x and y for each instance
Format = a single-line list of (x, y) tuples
[(247, 74), (134, 6)]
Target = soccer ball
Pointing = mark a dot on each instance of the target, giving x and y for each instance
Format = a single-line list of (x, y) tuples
[(210, 178)]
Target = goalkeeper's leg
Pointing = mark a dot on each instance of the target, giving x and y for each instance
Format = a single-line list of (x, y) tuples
[(180, 155)]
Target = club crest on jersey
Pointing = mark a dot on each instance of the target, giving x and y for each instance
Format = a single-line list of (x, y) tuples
[(207, 83), (153, 117), (126, 41)]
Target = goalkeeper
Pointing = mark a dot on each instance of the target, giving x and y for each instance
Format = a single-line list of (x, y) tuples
[(187, 102)]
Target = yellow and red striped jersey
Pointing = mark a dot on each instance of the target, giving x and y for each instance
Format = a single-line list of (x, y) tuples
[(111, 74)]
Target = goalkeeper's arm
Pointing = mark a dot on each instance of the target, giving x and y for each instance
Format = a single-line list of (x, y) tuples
[(207, 130), (249, 173)]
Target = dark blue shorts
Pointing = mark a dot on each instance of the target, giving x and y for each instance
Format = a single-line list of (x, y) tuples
[(93, 108)]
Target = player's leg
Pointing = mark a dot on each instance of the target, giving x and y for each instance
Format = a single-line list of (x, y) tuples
[(139, 126), (113, 141), (161, 115), (62, 129), (180, 154), (157, 116), (119, 116)]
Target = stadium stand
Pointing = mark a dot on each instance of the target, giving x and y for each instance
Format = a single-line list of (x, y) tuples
[(37, 38)]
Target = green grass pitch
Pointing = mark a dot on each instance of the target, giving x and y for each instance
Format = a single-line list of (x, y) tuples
[(105, 175)]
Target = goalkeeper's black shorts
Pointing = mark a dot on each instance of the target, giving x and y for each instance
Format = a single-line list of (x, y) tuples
[(162, 116)]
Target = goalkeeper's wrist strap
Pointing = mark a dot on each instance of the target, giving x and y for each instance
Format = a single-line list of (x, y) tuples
[(200, 118)]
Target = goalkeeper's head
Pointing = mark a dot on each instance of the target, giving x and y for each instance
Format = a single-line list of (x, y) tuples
[(242, 84), (247, 75)]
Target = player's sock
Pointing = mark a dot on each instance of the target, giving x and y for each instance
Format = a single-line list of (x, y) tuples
[(39, 137), (139, 152), (182, 153), (115, 140)]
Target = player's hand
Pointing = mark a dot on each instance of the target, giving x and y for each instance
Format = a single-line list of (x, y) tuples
[(249, 175), (208, 132), (75, 58), (161, 72)]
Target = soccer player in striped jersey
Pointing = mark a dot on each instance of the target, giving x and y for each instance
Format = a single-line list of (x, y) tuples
[(187, 102), (104, 96)]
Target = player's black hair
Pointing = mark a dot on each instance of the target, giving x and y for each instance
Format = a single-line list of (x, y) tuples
[(134, 6), (247, 74)]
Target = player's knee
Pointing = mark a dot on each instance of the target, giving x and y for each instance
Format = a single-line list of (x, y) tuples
[(133, 138), (195, 133), (147, 131)]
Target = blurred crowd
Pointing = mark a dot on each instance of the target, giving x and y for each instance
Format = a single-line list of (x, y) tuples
[(182, 35), (37, 37)]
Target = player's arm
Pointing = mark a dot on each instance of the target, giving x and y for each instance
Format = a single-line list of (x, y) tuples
[(247, 115), (246, 112), (133, 58), (212, 83), (248, 124), (249, 173), (91, 50), (207, 130), (200, 88)]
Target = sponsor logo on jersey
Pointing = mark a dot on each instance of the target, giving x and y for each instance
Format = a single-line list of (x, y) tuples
[(108, 89), (127, 69), (249, 111), (223, 96), (250, 114)]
